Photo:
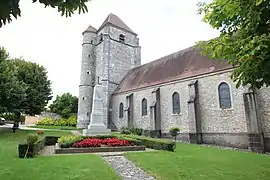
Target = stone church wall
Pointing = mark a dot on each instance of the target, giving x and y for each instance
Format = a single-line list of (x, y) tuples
[(218, 126), (263, 97)]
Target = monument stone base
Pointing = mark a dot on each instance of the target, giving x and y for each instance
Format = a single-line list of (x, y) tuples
[(97, 126), (96, 130)]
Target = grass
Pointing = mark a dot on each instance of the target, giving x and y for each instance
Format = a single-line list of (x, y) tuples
[(55, 127), (73, 167), (199, 163)]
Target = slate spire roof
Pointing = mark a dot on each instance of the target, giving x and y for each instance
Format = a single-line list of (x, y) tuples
[(90, 29), (114, 20)]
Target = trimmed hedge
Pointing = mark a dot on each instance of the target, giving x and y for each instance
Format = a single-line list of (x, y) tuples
[(154, 143), (37, 147), (33, 149), (51, 140)]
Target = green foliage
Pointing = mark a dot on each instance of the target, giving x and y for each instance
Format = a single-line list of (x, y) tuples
[(131, 130), (72, 121), (32, 148), (12, 90), (8, 116), (174, 131), (154, 143), (24, 87), (10, 8), (244, 38), (31, 139), (38, 91), (125, 130), (68, 141), (47, 121), (40, 132), (65, 105)]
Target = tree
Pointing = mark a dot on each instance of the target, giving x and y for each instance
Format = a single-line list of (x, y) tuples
[(10, 8), (24, 87), (244, 39), (12, 90), (65, 105), (38, 91)]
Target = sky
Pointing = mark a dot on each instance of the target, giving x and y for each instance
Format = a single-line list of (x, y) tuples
[(43, 36)]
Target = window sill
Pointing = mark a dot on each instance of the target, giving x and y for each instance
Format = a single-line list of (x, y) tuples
[(229, 109), (180, 114)]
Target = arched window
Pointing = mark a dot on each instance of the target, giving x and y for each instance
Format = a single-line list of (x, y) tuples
[(224, 96), (122, 38), (121, 110), (144, 107), (176, 103)]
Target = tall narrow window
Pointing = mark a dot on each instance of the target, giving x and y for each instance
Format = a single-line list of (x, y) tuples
[(144, 107), (122, 38), (176, 103), (121, 110), (224, 96), (101, 38)]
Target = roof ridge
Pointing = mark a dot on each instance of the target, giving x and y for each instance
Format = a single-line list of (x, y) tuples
[(116, 21)]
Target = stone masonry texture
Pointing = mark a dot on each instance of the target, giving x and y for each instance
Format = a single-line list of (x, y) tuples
[(106, 60), (224, 127)]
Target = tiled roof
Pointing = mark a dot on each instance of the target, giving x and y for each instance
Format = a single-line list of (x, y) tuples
[(179, 65)]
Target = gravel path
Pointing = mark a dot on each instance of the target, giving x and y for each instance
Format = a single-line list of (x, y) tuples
[(126, 169)]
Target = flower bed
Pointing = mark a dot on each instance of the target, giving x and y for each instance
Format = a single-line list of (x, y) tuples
[(95, 142), (77, 144)]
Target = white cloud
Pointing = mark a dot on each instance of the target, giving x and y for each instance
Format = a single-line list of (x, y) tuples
[(43, 36)]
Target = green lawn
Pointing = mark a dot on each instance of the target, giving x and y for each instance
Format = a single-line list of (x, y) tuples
[(203, 163), (55, 127), (69, 167)]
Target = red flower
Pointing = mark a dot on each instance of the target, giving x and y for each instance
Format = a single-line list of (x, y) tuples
[(94, 142)]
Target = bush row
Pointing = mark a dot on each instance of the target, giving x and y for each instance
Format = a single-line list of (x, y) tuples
[(35, 148), (12, 117), (131, 130), (47, 121), (154, 143)]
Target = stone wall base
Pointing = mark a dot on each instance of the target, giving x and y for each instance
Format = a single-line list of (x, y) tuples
[(255, 144), (238, 140), (153, 133)]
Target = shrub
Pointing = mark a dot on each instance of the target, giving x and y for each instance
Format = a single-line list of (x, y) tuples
[(131, 130), (72, 121), (154, 143), (125, 130), (26, 150), (31, 139), (8, 116), (51, 140), (34, 149), (174, 131), (136, 130), (60, 122), (40, 132), (47, 121), (68, 141)]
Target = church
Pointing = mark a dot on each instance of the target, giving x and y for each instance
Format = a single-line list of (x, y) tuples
[(184, 89)]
